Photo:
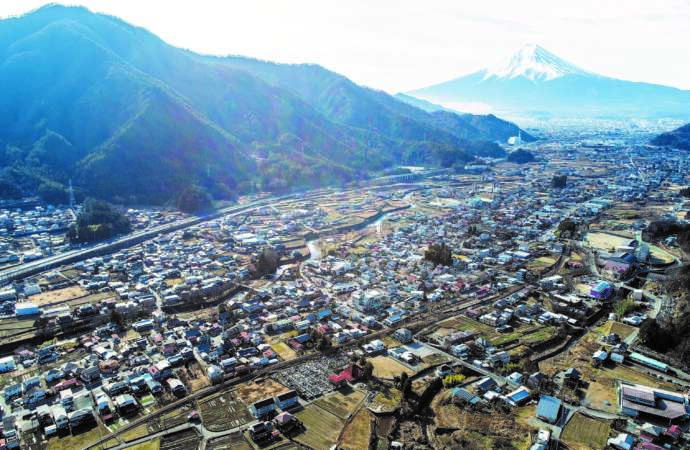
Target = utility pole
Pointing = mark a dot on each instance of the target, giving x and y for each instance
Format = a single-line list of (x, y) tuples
[(71, 195)]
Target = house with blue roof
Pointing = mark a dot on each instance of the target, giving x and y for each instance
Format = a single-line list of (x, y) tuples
[(548, 409), (323, 315)]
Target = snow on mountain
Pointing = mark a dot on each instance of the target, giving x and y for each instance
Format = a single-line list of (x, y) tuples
[(535, 83), (534, 63)]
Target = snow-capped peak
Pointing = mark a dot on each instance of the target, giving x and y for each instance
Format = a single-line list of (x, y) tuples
[(534, 63)]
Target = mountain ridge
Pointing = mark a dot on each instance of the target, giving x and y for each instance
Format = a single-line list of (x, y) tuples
[(130, 118)]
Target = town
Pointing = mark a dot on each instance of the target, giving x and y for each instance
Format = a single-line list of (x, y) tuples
[(499, 306)]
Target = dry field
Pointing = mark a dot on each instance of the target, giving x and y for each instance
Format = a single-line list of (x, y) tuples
[(621, 329), (341, 404), (582, 432), (258, 390), (284, 351), (59, 295), (357, 433), (387, 367), (223, 412), (322, 427), (605, 241)]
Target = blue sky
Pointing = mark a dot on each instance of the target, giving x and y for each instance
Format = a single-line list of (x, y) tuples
[(397, 45)]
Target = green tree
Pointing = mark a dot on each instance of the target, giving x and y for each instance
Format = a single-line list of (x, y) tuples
[(194, 199), (368, 370), (439, 254)]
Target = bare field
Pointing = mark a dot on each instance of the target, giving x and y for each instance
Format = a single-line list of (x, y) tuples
[(356, 435), (582, 432), (223, 412), (255, 391), (605, 241), (59, 295), (284, 351), (621, 329), (341, 404), (322, 427), (387, 367)]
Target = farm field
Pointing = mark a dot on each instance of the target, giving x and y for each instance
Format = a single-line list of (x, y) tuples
[(635, 375), (182, 440), (582, 432), (148, 445), (81, 440), (341, 404), (481, 428), (58, 295), (387, 367), (135, 433), (606, 241), (322, 427), (259, 390), (602, 395), (234, 441), (284, 351), (223, 412), (541, 263), (462, 323), (621, 329), (357, 433)]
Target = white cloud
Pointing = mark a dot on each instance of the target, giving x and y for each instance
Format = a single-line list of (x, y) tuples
[(402, 44)]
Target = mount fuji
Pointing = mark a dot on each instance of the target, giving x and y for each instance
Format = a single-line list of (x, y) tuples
[(535, 83)]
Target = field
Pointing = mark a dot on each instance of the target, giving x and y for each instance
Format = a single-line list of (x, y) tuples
[(659, 256), (12, 327), (581, 432), (182, 440), (356, 435), (602, 395), (621, 329), (135, 433), (606, 241), (626, 373), (284, 351), (579, 356), (223, 412), (234, 441), (81, 440), (538, 335), (58, 295), (386, 367), (340, 404), (322, 427), (387, 401), (462, 323), (253, 392), (477, 427), (148, 445), (541, 263)]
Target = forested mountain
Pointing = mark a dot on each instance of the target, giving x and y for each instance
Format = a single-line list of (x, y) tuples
[(678, 138), (130, 118)]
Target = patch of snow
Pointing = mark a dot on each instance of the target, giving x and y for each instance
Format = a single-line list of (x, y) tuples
[(534, 63)]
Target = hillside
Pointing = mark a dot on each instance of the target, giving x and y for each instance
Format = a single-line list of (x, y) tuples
[(678, 138), (130, 118)]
